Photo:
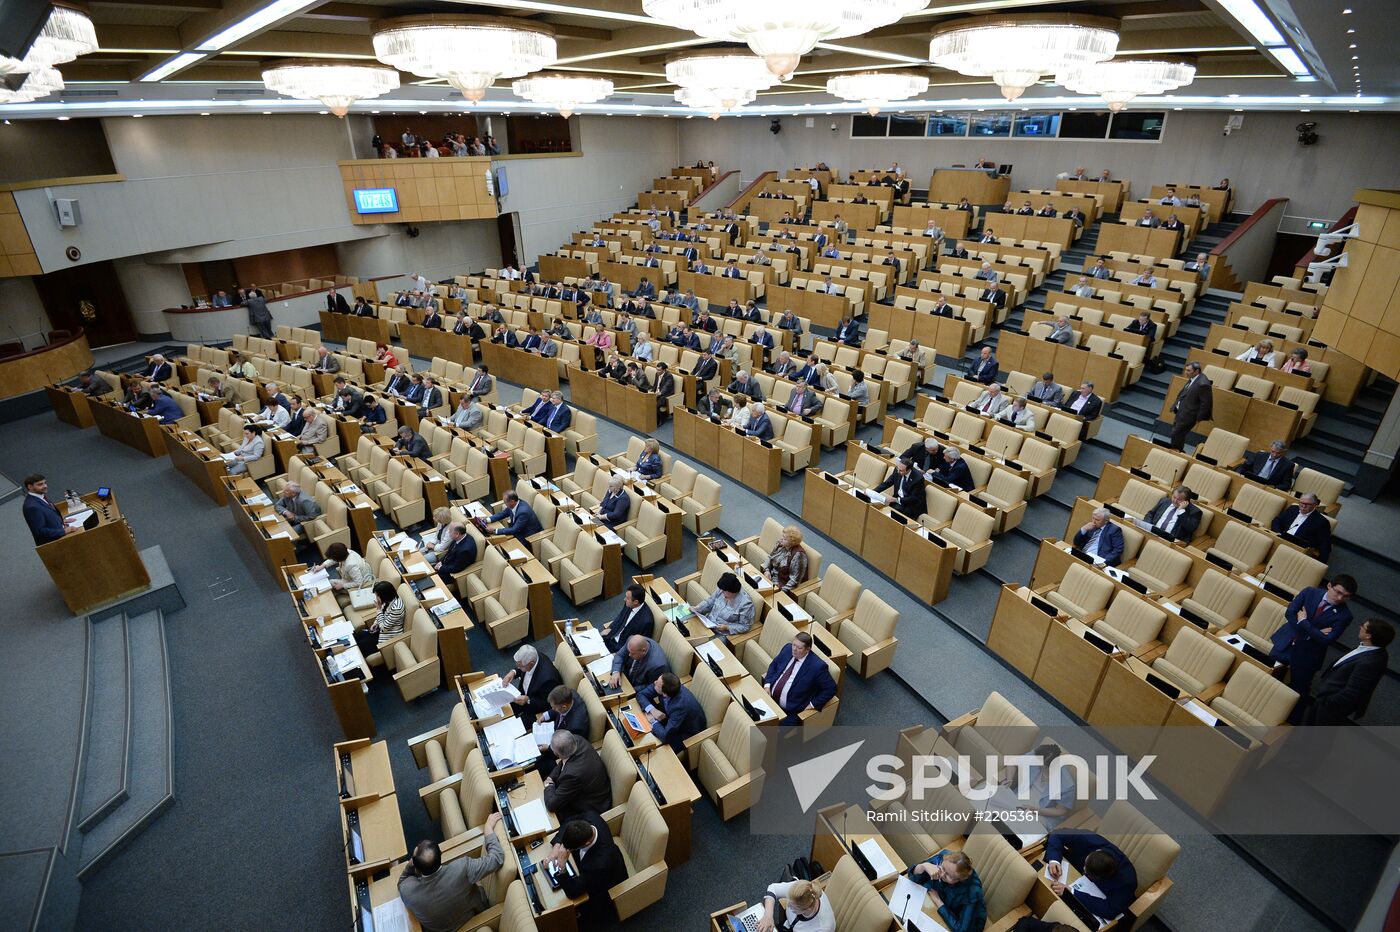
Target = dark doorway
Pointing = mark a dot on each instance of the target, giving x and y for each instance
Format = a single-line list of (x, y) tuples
[(90, 297), (506, 225)]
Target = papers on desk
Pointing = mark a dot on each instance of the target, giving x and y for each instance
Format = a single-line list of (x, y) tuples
[(337, 631), (1200, 711), (710, 650), (1252, 580), (798, 613), (390, 917), (347, 660), (284, 534), (433, 594), (497, 695), (347, 488), (1064, 870), (531, 818), (664, 598), (478, 510), (884, 867), (542, 732), (678, 612), (268, 519), (610, 536), (76, 518), (1234, 640), (590, 642), (1099, 561), (258, 499), (879, 497), (1003, 800), (317, 580), (907, 898), (445, 608), (1089, 888), (602, 666), (1170, 606)]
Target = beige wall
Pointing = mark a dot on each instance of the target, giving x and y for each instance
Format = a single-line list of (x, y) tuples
[(1263, 159)]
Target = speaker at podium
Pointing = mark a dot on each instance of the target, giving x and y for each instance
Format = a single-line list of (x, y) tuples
[(100, 563)]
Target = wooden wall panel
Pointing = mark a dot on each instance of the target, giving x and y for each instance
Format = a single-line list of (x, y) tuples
[(1360, 313), (16, 251)]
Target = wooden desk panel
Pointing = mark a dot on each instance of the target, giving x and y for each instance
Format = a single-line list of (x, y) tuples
[(97, 565), (1018, 630), (1129, 707), (520, 367), (1070, 668), (207, 470), (1147, 241), (336, 327), (1112, 192), (139, 433), (425, 343), (817, 495), (71, 407), (848, 521), (950, 185)]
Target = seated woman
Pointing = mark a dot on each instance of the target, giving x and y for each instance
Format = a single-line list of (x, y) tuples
[(739, 417), (250, 451), (787, 564), (649, 464), (729, 609), (1298, 362), (383, 355), (797, 905), (1263, 351), (388, 620)]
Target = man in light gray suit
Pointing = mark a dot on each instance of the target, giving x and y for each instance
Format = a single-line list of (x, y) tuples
[(549, 347), (315, 429), (468, 414), (990, 402), (1061, 332), (482, 383), (295, 506), (325, 362), (259, 317), (1046, 391)]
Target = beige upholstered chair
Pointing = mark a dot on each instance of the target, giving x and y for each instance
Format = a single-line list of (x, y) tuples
[(1195, 663), (1254, 698), (730, 768), (641, 835), (868, 633)]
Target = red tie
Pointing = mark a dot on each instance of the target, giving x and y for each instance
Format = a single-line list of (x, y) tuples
[(50, 504), (782, 681)]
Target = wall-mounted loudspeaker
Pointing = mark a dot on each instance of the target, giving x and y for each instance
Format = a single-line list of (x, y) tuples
[(775, 127)]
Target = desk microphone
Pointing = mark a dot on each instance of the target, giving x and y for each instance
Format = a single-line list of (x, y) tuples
[(904, 911)]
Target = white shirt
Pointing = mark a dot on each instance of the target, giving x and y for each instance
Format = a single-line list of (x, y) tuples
[(1168, 519), (1079, 402), (1355, 652), (1298, 522), (525, 688), (1092, 547)]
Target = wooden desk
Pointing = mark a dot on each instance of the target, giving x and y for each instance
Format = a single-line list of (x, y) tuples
[(530, 789), (362, 767), (840, 825), (520, 367), (613, 400), (335, 328), (978, 185), (1125, 698), (1017, 352), (1112, 193), (97, 565), (558, 912), (70, 406), (823, 310), (1136, 240), (681, 795), (137, 432), (273, 541), (427, 343), (199, 462), (1018, 629), (381, 832), (754, 463)]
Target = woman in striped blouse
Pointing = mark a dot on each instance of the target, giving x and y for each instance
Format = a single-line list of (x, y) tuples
[(388, 623)]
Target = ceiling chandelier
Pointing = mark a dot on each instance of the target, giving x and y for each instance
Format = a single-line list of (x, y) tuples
[(67, 33), (874, 89), (335, 84), (470, 52), (562, 92), (780, 31), (42, 82), (1016, 51), (1120, 81), (720, 79), (710, 101)]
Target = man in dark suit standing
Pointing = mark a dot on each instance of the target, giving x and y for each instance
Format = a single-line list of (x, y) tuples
[(1305, 525), (674, 711), (1101, 538), (535, 676), (907, 490), (579, 782), (42, 516), (984, 368), (1193, 404), (797, 680), (633, 618), (599, 864), (1175, 516), (923, 454), (460, 553), (1344, 689), (1270, 467), (1317, 616)]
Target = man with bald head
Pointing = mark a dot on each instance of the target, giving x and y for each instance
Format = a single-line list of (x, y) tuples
[(579, 781), (641, 660)]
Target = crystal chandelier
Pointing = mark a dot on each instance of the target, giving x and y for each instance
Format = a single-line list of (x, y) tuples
[(335, 84), (67, 33), (780, 31), (1120, 81), (562, 92), (42, 82), (874, 89), (710, 101), (1016, 51), (470, 52), (720, 79)]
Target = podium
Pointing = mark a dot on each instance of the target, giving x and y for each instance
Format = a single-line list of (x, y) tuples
[(98, 565)]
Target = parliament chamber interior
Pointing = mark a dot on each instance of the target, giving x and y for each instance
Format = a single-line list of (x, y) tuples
[(650, 464)]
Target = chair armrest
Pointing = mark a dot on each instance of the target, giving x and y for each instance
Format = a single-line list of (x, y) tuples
[(879, 647), (386, 650), (490, 918), (798, 591), (680, 583), (418, 744), (429, 795), (630, 895), (469, 842)]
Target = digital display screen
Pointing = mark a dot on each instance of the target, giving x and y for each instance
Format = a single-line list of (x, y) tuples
[(376, 201)]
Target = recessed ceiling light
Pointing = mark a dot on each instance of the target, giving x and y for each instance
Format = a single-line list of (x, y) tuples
[(205, 113), (1352, 46), (1234, 95), (1351, 32), (1239, 110), (134, 116), (1356, 58), (63, 119), (1176, 108), (267, 113), (1305, 110), (1353, 111), (1347, 11)]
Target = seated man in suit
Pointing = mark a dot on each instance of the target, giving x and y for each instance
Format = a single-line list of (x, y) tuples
[(1048, 210), (954, 469), (989, 236), (1148, 219), (790, 321), (732, 270), (613, 506), (906, 489), (674, 711), (994, 296), (1101, 538), (159, 370), (848, 331), (1271, 467), (45, 523), (579, 782), (559, 416), (535, 676), (1083, 288), (942, 308), (567, 712), (1061, 332), (633, 618), (1145, 279), (803, 401), (432, 319), (956, 251), (411, 443), (984, 368), (745, 384), (1305, 525), (641, 660), (797, 680), (990, 402), (600, 867), (1074, 214), (1046, 391), (1175, 515), (1173, 223), (1026, 209), (447, 896), (987, 274), (519, 518), (645, 289), (760, 424), (165, 407), (1316, 618), (1344, 689), (1144, 325), (1084, 402), (1017, 415), (1100, 861), (460, 553), (713, 404)]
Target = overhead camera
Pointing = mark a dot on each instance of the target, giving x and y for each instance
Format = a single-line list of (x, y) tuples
[(1306, 136), (775, 127), (833, 127)]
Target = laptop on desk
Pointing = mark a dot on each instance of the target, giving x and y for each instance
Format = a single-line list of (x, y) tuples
[(747, 921)]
